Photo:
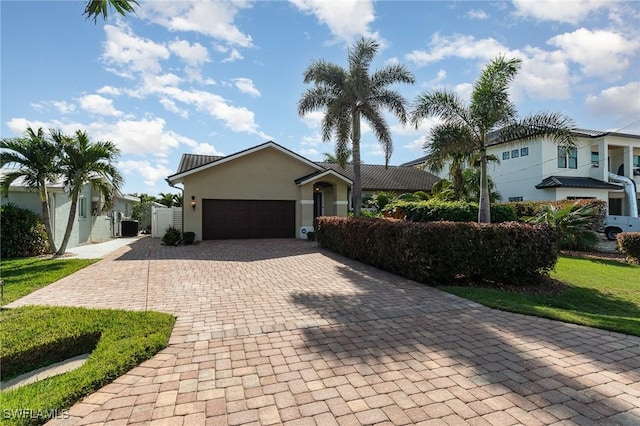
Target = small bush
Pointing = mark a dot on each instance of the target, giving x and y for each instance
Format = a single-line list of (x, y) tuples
[(572, 223), (171, 236), (629, 244), (22, 233), (509, 252), (534, 208), (188, 238), (453, 211)]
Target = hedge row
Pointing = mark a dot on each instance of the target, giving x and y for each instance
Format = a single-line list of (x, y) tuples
[(629, 244), (453, 211), (509, 252), (22, 233), (532, 208)]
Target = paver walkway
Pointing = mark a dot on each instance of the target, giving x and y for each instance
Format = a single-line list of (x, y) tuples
[(283, 332)]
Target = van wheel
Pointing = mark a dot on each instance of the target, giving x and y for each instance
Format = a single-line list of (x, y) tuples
[(612, 233)]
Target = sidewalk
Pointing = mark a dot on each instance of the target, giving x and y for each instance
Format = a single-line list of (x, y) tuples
[(100, 250)]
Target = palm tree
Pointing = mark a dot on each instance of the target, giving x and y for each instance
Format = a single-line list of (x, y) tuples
[(96, 8), (347, 95), (489, 118), (37, 159), (87, 162), (168, 198)]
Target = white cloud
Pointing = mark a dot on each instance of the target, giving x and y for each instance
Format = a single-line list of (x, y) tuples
[(235, 55), (150, 173), (313, 119), (64, 107), (572, 11), (171, 106), (309, 152), (464, 91), (192, 54), (477, 14), (209, 17), (97, 104), (620, 101), (130, 53), (109, 90), (544, 75), (245, 85), (346, 19), (457, 45), (599, 52), (313, 140)]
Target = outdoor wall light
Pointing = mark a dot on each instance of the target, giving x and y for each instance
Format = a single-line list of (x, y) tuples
[(193, 202)]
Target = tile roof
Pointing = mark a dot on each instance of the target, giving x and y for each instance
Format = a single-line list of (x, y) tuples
[(191, 161), (575, 182), (393, 178)]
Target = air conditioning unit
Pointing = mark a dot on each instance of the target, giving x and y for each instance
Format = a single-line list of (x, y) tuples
[(304, 230)]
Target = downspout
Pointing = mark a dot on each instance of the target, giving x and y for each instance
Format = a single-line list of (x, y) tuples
[(183, 202), (629, 190)]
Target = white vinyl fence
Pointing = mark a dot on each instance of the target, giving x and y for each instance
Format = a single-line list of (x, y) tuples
[(163, 217)]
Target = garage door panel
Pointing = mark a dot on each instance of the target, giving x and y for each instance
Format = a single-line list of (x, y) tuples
[(237, 219)]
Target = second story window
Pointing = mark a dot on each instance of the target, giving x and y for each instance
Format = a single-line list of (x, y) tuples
[(595, 159), (505, 155), (567, 157), (515, 153)]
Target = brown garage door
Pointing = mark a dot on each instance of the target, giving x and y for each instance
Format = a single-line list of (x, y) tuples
[(235, 219)]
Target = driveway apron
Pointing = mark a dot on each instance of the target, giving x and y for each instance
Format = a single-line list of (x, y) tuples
[(284, 332)]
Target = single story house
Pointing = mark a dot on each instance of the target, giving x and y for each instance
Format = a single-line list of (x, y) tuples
[(268, 191), (92, 225)]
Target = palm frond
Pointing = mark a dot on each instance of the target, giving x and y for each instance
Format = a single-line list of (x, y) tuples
[(554, 126), (396, 73), (391, 100), (96, 8), (442, 104)]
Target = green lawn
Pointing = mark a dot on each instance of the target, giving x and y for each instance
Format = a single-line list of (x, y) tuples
[(602, 294), (23, 276), (36, 336)]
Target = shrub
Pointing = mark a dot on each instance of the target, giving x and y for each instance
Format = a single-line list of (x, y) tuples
[(533, 208), (571, 222), (510, 252), (22, 233), (454, 211), (188, 238), (171, 236), (629, 244)]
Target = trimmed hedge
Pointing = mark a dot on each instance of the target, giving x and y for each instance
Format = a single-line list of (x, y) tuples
[(453, 211), (532, 208), (629, 244), (22, 233), (509, 252)]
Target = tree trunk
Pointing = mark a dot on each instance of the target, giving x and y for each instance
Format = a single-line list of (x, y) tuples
[(72, 218), (484, 206), (46, 216), (357, 178)]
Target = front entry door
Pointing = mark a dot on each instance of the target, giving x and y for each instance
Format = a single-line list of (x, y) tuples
[(317, 204)]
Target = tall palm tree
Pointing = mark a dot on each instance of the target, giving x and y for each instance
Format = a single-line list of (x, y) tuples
[(87, 162), (489, 118), (95, 8), (167, 198), (37, 159), (347, 95)]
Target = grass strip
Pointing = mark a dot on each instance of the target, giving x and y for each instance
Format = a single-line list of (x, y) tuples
[(602, 294), (26, 275), (126, 340)]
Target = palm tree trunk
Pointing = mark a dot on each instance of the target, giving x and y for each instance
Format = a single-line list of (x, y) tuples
[(46, 216), (70, 221), (357, 179), (484, 207)]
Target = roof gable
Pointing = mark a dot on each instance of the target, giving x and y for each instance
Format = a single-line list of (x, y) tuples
[(198, 163)]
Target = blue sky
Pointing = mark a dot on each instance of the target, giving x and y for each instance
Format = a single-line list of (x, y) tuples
[(219, 77)]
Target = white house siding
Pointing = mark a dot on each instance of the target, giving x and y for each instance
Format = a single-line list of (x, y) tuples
[(517, 177)]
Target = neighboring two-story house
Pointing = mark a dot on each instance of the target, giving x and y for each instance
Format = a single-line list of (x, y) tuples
[(595, 168)]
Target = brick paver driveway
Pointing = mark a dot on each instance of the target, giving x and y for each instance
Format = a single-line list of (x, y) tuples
[(281, 331)]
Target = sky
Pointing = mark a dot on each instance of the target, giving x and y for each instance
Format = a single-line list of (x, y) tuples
[(215, 78)]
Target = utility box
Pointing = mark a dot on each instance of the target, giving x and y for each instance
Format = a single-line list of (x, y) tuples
[(129, 228)]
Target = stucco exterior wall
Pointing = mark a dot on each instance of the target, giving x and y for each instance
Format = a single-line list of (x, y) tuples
[(517, 177), (267, 174)]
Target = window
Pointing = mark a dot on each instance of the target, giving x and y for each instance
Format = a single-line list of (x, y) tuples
[(524, 151), (515, 153), (595, 159), (636, 165), (82, 210), (512, 199), (505, 155), (567, 157)]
